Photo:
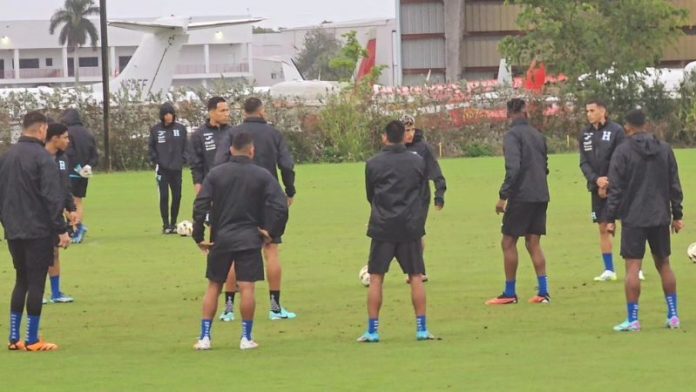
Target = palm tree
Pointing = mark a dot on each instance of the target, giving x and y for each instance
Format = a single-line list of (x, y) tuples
[(76, 27)]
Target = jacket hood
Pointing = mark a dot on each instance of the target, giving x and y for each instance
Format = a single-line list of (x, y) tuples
[(71, 117), (418, 136), (645, 144), (167, 108)]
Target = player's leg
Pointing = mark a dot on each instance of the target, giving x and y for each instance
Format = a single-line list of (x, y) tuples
[(163, 186), (271, 253), (533, 244), (19, 293), (510, 262), (249, 269), (410, 258), (605, 245), (632, 250), (425, 276), (175, 185), (381, 254), (218, 266), (57, 296), (660, 246), (40, 254), (227, 314)]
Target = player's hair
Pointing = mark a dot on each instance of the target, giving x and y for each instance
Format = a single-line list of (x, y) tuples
[(635, 118), (395, 131), (33, 118), (408, 119), (55, 129), (597, 102), (252, 105), (516, 106), (242, 141), (213, 103)]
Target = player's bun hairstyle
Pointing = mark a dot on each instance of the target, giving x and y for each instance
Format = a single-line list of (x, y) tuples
[(635, 118), (597, 102), (55, 129), (242, 141), (252, 105), (395, 131), (516, 106), (32, 118), (213, 102)]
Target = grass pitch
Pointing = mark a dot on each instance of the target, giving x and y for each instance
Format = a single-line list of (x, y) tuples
[(138, 300)]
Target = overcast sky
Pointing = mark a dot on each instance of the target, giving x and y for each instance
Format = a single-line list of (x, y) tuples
[(279, 13)]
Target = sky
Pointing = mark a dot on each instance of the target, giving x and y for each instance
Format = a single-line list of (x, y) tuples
[(279, 13)]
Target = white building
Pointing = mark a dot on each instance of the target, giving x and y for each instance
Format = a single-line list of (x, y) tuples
[(30, 56)]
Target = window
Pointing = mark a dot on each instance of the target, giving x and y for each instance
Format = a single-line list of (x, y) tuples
[(28, 63), (89, 62), (274, 75), (49, 62)]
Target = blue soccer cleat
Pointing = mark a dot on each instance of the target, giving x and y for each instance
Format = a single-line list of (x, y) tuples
[(628, 326), (80, 235), (369, 338), (424, 335)]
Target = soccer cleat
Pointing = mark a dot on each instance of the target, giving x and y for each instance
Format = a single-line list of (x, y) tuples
[(227, 316), (606, 276), (16, 346), (540, 299), (171, 229), (246, 344), (63, 299), (673, 323), (641, 275), (424, 335), (627, 326), (44, 301), (282, 315), (502, 299), (41, 346), (370, 338), (203, 344), (80, 235)]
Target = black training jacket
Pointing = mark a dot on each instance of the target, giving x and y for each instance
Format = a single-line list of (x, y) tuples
[(167, 146), (596, 148), (645, 190), (203, 144), (526, 164), (83, 147), (240, 197), (432, 167), (32, 198), (63, 165), (396, 187), (272, 151)]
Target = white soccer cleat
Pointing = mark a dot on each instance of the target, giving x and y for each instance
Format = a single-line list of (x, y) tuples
[(606, 276), (641, 276), (246, 344), (203, 344)]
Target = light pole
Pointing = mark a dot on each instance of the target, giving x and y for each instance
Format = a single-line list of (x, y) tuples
[(106, 98)]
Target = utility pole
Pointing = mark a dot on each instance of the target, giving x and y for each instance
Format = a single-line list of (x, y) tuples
[(106, 98)]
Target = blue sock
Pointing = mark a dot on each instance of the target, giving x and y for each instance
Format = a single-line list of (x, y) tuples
[(247, 326), (55, 286), (510, 288), (206, 326), (608, 261), (373, 325), (543, 285), (632, 312), (15, 322), (33, 329), (420, 324), (672, 305)]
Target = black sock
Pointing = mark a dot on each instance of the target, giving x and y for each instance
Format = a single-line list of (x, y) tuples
[(229, 297), (275, 301)]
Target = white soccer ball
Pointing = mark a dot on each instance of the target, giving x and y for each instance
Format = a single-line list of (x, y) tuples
[(184, 228), (691, 252), (364, 276)]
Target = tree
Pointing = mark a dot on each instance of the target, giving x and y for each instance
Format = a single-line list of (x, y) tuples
[(262, 30), (352, 52), (76, 27), (319, 48), (594, 36)]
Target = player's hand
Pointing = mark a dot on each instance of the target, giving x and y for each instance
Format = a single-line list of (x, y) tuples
[(265, 235), (677, 226), (197, 188), (205, 247), (74, 220), (501, 206), (602, 193), (290, 201), (603, 182), (439, 207), (64, 240), (611, 228)]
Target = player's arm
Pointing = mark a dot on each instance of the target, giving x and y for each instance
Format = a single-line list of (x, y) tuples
[(93, 159), (184, 143), (676, 196), (275, 208), (585, 166), (513, 162), (201, 208), (434, 173), (152, 146), (53, 198), (196, 159), (617, 173), (369, 185), (222, 154), (286, 164)]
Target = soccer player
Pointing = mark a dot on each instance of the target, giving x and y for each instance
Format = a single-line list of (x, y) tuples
[(83, 157), (206, 139), (524, 198), (272, 154), (167, 148), (396, 185), (247, 208), (597, 143), (57, 141), (31, 211), (646, 195), (413, 138)]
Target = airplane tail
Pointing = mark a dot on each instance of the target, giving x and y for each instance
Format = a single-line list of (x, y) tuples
[(504, 74)]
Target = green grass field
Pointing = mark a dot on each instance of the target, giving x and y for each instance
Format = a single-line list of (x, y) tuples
[(138, 299)]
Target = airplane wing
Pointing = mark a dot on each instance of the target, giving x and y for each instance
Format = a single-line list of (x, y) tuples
[(222, 23), (151, 27)]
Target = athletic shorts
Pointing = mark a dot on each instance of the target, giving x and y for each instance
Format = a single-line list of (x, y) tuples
[(248, 265), (78, 187), (599, 209), (32, 253), (524, 218), (408, 254), (633, 241)]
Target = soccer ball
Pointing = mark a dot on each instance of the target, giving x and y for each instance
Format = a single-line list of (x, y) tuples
[(364, 276), (184, 228), (691, 252)]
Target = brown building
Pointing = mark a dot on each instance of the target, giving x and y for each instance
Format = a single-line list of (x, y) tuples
[(450, 40)]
